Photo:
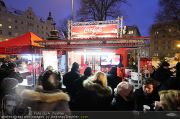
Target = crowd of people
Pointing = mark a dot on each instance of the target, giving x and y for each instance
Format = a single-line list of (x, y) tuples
[(91, 92)]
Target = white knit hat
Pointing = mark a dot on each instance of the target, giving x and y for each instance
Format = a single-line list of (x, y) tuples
[(123, 89)]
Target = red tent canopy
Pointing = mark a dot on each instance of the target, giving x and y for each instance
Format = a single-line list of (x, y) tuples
[(23, 44)]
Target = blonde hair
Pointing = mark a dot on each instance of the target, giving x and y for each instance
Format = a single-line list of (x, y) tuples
[(99, 76), (170, 99)]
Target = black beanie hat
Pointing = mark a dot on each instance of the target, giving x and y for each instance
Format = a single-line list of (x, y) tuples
[(88, 71)]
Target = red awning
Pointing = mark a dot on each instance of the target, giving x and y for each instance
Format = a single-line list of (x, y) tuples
[(21, 44)]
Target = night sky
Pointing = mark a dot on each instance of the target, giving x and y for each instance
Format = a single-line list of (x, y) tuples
[(137, 12)]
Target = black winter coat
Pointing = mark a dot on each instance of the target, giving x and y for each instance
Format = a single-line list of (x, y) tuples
[(93, 97), (113, 80), (69, 79), (119, 104)]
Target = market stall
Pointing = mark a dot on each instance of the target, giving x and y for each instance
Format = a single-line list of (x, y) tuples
[(27, 52)]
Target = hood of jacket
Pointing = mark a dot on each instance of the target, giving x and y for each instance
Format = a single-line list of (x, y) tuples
[(38, 96), (97, 88)]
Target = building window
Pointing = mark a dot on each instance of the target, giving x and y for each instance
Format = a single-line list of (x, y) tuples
[(9, 33), (0, 32), (9, 27), (22, 22), (0, 25), (37, 26), (130, 32), (16, 27)]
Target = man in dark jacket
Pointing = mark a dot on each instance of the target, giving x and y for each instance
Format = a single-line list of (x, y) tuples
[(79, 82), (113, 79), (70, 77), (163, 74), (146, 95)]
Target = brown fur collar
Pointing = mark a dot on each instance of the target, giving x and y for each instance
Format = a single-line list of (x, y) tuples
[(100, 90), (45, 97)]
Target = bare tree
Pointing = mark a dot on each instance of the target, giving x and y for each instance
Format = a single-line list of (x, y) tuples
[(169, 10), (63, 27), (99, 10)]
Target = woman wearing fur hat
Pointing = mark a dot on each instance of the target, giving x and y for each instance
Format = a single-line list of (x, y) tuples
[(169, 100), (124, 97), (96, 95), (50, 98)]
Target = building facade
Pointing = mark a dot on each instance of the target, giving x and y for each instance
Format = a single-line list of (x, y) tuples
[(15, 22), (165, 38)]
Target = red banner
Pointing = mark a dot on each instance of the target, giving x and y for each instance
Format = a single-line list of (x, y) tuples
[(94, 31)]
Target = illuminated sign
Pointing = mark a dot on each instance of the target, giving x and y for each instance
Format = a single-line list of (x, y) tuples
[(95, 31)]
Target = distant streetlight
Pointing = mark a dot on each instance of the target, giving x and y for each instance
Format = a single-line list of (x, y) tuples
[(178, 45)]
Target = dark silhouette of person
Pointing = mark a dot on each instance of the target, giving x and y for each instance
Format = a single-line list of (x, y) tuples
[(112, 78), (69, 79), (175, 81), (79, 82), (162, 75)]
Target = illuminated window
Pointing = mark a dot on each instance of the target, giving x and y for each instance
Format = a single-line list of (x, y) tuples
[(0, 25), (16, 27), (130, 32), (9, 27)]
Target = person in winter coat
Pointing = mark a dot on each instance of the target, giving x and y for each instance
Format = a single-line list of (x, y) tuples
[(96, 95), (79, 87), (147, 95), (124, 97), (50, 98), (112, 78), (79, 82), (69, 79), (175, 81), (13, 74), (162, 75)]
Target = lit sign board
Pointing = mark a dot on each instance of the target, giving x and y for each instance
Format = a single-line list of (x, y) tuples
[(95, 31)]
